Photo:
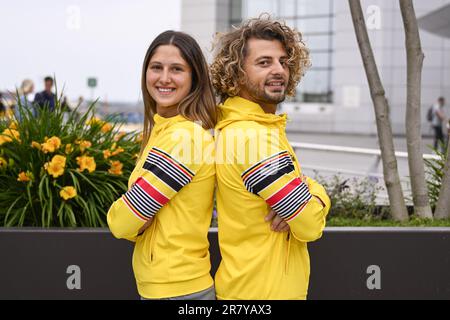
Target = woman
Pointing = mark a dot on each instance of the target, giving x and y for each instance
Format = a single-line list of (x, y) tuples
[(26, 88), (168, 207)]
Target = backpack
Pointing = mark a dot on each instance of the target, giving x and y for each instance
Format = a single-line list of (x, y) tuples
[(430, 114)]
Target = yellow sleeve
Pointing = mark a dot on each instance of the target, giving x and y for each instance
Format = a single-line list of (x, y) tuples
[(309, 224), (165, 172), (302, 204)]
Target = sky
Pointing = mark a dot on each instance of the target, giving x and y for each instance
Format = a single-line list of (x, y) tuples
[(78, 39)]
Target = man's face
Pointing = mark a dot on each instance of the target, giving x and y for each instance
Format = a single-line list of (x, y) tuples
[(267, 72), (442, 102), (48, 85)]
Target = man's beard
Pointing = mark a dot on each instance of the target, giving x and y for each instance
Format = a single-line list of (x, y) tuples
[(260, 95)]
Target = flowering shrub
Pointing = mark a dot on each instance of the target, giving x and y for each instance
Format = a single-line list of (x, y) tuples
[(62, 169)]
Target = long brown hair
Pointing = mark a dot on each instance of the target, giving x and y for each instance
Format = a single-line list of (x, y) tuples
[(200, 104)]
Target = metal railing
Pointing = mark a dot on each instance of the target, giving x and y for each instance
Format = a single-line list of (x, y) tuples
[(371, 172), (356, 151), (351, 150)]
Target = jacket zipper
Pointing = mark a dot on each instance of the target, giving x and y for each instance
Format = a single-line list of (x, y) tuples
[(288, 249), (152, 239)]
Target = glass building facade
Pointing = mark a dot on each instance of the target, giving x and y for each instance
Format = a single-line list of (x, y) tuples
[(314, 19)]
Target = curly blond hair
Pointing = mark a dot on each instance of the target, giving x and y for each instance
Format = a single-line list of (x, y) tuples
[(230, 51)]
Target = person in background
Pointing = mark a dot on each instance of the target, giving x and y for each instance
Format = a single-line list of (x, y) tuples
[(439, 123), (2, 106), (65, 105), (46, 97), (26, 88)]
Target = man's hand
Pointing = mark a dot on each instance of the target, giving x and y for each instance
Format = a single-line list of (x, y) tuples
[(305, 179), (278, 224), (145, 226)]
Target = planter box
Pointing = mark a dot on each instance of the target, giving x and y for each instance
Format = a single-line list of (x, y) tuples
[(347, 263)]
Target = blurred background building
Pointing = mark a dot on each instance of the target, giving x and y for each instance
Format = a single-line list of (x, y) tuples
[(334, 96)]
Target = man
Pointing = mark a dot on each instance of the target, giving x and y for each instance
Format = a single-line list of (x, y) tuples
[(46, 97), (438, 122), (260, 187)]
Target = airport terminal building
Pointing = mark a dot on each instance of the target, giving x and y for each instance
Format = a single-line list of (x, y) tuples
[(334, 95)]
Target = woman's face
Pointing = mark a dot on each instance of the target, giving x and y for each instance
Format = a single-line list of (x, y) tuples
[(168, 79)]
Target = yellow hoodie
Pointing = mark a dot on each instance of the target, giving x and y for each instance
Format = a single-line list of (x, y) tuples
[(257, 171), (173, 182)]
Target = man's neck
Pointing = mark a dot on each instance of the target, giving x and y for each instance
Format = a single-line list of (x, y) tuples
[(268, 108)]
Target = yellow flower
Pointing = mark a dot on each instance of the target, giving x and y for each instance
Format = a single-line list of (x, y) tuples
[(68, 193), (140, 137), (36, 145), (15, 134), (106, 127), (119, 150), (25, 177), (119, 136), (9, 113), (56, 166), (3, 163), (13, 125), (54, 169), (4, 139), (69, 148), (93, 121), (106, 154), (51, 145), (86, 163), (116, 167), (8, 135), (84, 144), (59, 159)]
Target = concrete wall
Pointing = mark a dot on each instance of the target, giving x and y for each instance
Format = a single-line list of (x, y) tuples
[(345, 264), (202, 18)]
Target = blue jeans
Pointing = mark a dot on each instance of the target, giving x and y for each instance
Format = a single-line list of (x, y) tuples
[(208, 294)]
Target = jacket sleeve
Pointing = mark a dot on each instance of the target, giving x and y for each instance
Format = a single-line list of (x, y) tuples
[(164, 174), (309, 224), (303, 204)]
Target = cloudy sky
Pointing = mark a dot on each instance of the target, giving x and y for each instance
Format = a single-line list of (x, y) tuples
[(78, 39)]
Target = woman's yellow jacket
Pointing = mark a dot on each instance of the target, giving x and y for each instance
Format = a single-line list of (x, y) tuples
[(173, 182)]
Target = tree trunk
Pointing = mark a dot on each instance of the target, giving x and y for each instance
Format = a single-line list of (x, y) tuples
[(390, 169), (415, 59), (443, 205)]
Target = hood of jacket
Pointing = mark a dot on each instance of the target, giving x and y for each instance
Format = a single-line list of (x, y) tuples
[(239, 109)]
